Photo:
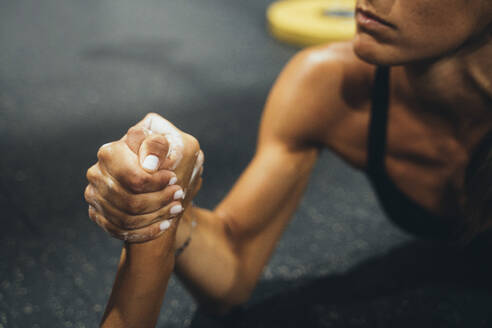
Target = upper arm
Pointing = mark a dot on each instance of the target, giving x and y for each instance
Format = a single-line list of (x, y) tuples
[(294, 123), (306, 102), (304, 107)]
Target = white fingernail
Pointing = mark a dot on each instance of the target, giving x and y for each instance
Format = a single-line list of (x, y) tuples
[(176, 209), (178, 194), (165, 225), (173, 181), (151, 162)]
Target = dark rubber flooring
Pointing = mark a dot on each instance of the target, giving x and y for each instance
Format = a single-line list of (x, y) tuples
[(77, 74)]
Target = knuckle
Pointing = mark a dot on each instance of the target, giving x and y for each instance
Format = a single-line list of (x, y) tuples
[(125, 224), (87, 193), (92, 173), (152, 114), (135, 205), (192, 147), (159, 141), (137, 181), (130, 222), (90, 211), (104, 224), (103, 153), (95, 217), (134, 130), (195, 145), (200, 159)]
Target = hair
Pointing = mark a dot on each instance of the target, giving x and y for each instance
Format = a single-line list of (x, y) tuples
[(478, 188)]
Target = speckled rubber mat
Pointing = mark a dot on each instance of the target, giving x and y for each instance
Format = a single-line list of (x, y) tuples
[(77, 74)]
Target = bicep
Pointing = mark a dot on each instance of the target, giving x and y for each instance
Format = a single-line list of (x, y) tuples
[(294, 122), (270, 188), (274, 179), (259, 206)]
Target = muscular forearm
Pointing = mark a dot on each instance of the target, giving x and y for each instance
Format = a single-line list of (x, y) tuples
[(208, 265), (140, 283), (230, 245)]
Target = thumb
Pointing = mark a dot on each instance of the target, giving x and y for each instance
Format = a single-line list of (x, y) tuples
[(153, 152)]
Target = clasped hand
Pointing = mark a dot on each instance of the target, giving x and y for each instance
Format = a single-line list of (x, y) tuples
[(143, 182)]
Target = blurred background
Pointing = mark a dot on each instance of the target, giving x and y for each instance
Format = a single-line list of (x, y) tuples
[(77, 74)]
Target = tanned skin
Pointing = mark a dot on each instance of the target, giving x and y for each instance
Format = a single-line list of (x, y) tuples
[(440, 106)]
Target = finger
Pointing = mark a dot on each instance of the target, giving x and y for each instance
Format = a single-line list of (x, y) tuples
[(136, 134), (157, 124), (191, 152), (90, 198), (133, 236), (181, 145), (198, 166), (153, 152), (123, 165), (193, 191), (127, 221), (134, 137), (146, 122), (109, 189)]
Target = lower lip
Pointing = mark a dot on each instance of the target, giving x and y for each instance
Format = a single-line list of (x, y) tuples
[(369, 22)]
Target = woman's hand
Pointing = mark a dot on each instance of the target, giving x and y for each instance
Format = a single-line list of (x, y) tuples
[(144, 180)]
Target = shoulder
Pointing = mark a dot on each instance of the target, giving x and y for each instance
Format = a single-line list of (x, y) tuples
[(330, 64), (319, 89)]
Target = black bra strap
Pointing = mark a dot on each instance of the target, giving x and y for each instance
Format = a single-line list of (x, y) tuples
[(401, 209), (378, 123)]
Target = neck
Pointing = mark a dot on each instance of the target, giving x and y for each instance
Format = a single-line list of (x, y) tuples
[(457, 87), (469, 69)]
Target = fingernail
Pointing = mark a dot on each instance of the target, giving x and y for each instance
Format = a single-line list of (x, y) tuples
[(178, 194), (176, 209), (173, 181), (165, 225), (151, 162)]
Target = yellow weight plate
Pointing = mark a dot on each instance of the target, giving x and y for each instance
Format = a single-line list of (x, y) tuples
[(311, 22)]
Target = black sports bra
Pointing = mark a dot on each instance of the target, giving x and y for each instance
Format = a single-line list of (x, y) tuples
[(402, 210)]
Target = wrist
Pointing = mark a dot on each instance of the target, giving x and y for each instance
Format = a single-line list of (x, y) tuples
[(184, 228), (152, 252)]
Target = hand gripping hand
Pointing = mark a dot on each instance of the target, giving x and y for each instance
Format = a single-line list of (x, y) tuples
[(143, 182)]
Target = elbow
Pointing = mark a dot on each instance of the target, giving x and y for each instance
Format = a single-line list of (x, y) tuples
[(235, 287), (239, 298), (226, 305), (238, 291)]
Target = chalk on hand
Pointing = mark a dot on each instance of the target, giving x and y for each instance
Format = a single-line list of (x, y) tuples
[(165, 225)]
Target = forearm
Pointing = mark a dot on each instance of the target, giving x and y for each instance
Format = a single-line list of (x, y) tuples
[(230, 245), (208, 264), (140, 283)]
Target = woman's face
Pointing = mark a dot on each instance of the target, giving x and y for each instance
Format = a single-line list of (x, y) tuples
[(391, 32)]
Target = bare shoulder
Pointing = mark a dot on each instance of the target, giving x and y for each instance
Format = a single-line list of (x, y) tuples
[(322, 93)]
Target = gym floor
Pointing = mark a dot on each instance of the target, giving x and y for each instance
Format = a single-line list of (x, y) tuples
[(77, 74)]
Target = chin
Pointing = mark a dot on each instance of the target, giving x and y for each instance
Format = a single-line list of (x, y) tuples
[(371, 51)]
